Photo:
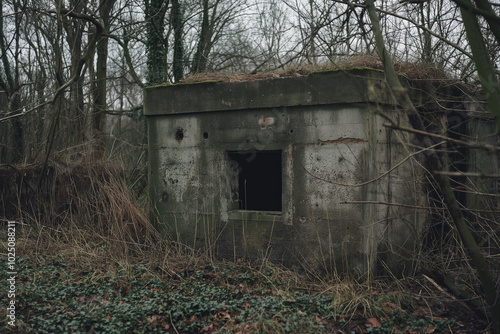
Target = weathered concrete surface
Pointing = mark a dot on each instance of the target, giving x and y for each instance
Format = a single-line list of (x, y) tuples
[(333, 149), (353, 86)]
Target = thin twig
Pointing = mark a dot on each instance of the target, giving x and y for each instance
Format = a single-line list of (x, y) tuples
[(415, 206), (393, 204), (466, 174), (378, 177), (491, 148), (446, 293)]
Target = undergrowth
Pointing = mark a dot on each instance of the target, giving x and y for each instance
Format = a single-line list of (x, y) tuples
[(123, 297), (89, 261)]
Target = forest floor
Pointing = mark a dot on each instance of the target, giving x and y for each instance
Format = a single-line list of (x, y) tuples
[(61, 293), (90, 261)]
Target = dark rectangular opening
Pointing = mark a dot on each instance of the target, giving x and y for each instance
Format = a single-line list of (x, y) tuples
[(259, 177)]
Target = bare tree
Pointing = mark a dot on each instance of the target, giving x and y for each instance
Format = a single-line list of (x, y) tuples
[(100, 81), (157, 42), (10, 83)]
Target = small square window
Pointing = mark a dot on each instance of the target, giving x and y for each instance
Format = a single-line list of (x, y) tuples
[(259, 179)]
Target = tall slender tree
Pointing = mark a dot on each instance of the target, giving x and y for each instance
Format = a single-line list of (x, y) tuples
[(100, 87), (157, 43), (177, 25), (10, 78)]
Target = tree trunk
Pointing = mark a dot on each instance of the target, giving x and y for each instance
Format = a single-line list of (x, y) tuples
[(155, 47), (76, 117), (11, 85), (99, 107), (177, 25), (200, 59), (485, 69)]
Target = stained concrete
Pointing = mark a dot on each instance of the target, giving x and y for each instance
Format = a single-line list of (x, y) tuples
[(328, 130)]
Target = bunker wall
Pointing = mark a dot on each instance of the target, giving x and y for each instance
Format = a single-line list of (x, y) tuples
[(324, 147)]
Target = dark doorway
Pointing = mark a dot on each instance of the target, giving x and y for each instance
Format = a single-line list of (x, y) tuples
[(259, 179)]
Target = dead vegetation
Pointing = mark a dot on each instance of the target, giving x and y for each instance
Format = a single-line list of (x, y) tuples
[(415, 71), (84, 209), (87, 222)]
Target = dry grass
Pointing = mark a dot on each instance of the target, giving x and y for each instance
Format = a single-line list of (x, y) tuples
[(83, 212), (88, 219), (416, 71)]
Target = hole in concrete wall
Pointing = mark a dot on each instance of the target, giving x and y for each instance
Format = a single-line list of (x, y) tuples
[(259, 179), (205, 135), (291, 130), (179, 134)]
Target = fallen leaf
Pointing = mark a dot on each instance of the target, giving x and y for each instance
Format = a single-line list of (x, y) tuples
[(208, 328), (154, 320), (373, 322), (191, 320), (246, 304), (223, 315)]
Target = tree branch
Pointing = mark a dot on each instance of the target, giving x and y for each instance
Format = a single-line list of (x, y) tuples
[(481, 58), (489, 148)]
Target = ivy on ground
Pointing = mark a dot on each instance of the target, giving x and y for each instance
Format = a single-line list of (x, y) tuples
[(55, 298)]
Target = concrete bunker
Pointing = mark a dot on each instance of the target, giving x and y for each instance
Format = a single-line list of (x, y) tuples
[(262, 168)]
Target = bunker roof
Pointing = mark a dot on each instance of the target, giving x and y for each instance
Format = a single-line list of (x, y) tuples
[(338, 86)]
